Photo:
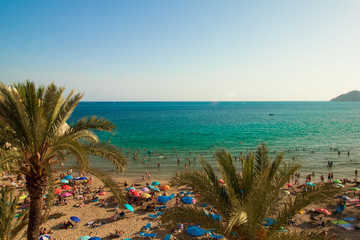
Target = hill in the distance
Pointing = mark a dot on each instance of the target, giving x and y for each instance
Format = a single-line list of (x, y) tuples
[(353, 96)]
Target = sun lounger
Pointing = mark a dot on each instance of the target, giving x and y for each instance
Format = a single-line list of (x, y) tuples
[(168, 237), (147, 235), (147, 227), (152, 216), (160, 208), (216, 236)]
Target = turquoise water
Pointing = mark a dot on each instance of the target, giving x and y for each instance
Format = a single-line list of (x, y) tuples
[(304, 130)]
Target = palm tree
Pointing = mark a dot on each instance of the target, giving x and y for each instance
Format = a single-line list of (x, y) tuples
[(12, 222), (35, 137), (246, 198)]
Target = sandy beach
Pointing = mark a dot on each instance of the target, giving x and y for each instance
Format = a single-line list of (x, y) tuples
[(133, 222)]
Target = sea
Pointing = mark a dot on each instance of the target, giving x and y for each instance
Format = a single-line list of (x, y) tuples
[(163, 137)]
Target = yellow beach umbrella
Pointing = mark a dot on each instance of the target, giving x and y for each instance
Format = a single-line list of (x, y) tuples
[(145, 195), (23, 196)]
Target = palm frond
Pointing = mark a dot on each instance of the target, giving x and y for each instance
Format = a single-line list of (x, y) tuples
[(107, 151), (109, 182), (95, 123)]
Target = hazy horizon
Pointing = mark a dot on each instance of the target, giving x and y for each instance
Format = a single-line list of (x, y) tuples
[(184, 51)]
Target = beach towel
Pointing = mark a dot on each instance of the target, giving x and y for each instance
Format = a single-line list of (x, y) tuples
[(349, 219), (216, 236), (339, 222), (301, 212), (152, 216)]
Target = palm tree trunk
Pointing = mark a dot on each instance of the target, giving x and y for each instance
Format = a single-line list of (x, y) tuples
[(35, 211)]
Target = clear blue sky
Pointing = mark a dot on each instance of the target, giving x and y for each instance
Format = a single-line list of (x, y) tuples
[(150, 50)]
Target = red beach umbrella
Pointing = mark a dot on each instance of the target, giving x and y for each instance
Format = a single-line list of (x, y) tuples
[(66, 187), (58, 191), (221, 181)]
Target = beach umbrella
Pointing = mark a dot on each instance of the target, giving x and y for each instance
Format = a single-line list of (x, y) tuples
[(145, 195), (336, 181), (188, 200), (58, 191), (129, 207), (130, 188), (83, 178), (221, 181), (64, 181), (23, 197), (155, 183), (163, 199), (44, 237), (195, 231), (75, 219), (66, 187), (66, 194), (136, 193), (76, 178), (355, 189), (154, 188), (339, 185), (144, 189), (164, 187), (84, 238), (102, 193), (322, 210), (94, 238), (68, 177)]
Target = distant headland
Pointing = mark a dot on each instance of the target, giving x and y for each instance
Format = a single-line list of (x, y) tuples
[(353, 96)]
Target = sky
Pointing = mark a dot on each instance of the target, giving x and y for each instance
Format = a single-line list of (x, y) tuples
[(185, 50)]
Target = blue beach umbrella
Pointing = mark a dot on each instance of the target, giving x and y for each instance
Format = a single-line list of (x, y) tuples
[(188, 200), (129, 207), (216, 217), (82, 178), (94, 238), (195, 231), (64, 181), (155, 183), (75, 219), (68, 177), (84, 238), (129, 188), (163, 199)]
